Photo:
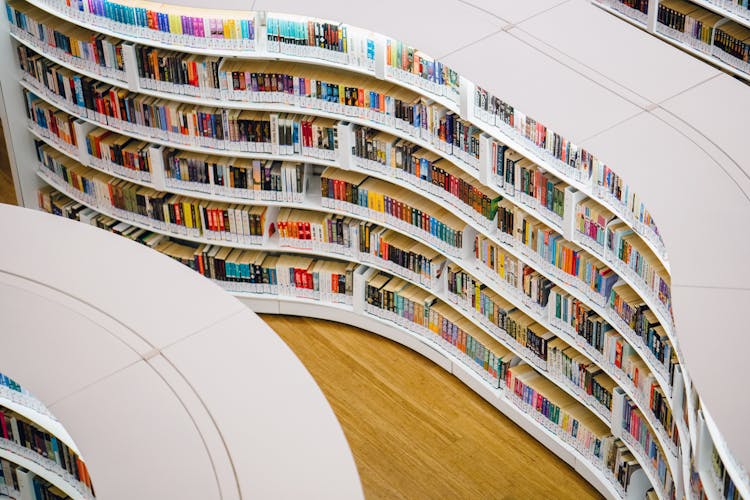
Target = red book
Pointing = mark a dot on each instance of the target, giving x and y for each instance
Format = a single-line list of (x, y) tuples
[(308, 231)]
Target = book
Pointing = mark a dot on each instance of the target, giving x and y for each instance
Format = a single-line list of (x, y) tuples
[(335, 42), (177, 25), (349, 188), (74, 44), (39, 442)]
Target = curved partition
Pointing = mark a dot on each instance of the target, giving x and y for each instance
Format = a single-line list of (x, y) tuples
[(558, 201), (135, 382)]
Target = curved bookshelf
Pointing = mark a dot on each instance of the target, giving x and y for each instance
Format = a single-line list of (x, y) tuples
[(37, 412), (313, 201), (43, 93), (704, 49), (457, 100), (45, 468), (506, 135), (210, 241), (183, 142), (452, 301)]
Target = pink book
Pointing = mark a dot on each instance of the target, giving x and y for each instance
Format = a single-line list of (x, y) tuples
[(3, 426)]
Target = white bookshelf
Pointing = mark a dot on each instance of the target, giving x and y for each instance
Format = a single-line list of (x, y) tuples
[(652, 26), (343, 160), (312, 200), (53, 101), (35, 411), (44, 468), (506, 135)]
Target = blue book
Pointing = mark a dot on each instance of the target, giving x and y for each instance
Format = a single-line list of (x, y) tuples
[(78, 90)]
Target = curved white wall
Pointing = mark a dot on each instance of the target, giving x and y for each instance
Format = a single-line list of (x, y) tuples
[(170, 387)]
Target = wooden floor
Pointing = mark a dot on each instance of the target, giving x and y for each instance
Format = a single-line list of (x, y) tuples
[(7, 191), (415, 430)]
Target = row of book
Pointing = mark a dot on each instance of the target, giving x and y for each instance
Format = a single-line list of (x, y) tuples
[(559, 412), (92, 51), (334, 42), (525, 181), (421, 263), (323, 34), (392, 298), (568, 158), (262, 272), (632, 314), (34, 487), (388, 155), (53, 124), (361, 194), (612, 188), (220, 129), (700, 28), (537, 342), (687, 22), (569, 259), (534, 187), (177, 72), (574, 162), (627, 248), (408, 305), (637, 432), (406, 62), (573, 316), (623, 466), (254, 271), (178, 25), (637, 320), (118, 153), (9, 485), (189, 223), (362, 240), (304, 85), (237, 177), (724, 482), (705, 30), (527, 336), (240, 223), (30, 436), (523, 233)]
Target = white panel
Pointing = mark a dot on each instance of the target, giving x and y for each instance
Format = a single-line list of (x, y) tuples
[(727, 125), (628, 60), (145, 305), (52, 350), (200, 415), (514, 11), (273, 420), (688, 195), (137, 438), (540, 86), (717, 330)]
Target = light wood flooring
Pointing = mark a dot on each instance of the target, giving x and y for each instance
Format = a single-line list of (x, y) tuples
[(7, 190), (415, 430)]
